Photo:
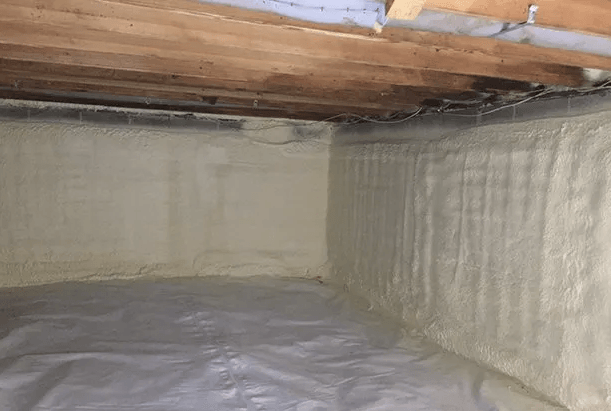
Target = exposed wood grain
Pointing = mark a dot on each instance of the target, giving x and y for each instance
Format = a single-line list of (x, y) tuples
[(100, 99), (240, 68), (284, 89), (136, 68), (24, 74), (464, 43), (227, 100), (404, 9), (276, 48), (212, 56), (32, 81), (506, 49), (585, 16)]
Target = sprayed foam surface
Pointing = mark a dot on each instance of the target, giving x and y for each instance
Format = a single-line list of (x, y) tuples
[(494, 241), (90, 201), (227, 344)]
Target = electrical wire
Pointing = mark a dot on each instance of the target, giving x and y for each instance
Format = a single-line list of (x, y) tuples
[(526, 100), (389, 121), (354, 119), (326, 120), (350, 117), (604, 86)]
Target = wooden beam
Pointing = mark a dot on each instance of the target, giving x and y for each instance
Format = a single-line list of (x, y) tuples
[(145, 31), (487, 46), (353, 96), (33, 81), (584, 16), (26, 64), (404, 9), (192, 52), (111, 100), (234, 73)]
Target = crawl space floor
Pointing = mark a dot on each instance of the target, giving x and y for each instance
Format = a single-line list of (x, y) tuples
[(227, 344)]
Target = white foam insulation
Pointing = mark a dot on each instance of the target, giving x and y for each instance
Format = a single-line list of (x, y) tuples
[(105, 200), (493, 240)]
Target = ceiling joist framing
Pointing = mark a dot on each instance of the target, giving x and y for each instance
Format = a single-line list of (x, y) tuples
[(181, 50), (584, 16)]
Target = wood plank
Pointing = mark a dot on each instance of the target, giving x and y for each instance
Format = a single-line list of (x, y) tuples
[(225, 14), (584, 16), (244, 70), (104, 100), (142, 68), (506, 49), (185, 51), (343, 91), (48, 29), (32, 81), (404, 9), (283, 90), (247, 104)]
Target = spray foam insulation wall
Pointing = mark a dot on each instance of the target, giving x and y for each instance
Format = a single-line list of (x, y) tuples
[(88, 201), (495, 241)]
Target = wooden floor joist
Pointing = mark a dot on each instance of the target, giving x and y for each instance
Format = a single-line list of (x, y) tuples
[(584, 16), (404, 9), (269, 48), (83, 98), (183, 50)]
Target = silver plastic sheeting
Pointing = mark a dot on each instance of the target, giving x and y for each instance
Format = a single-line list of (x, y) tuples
[(219, 344)]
